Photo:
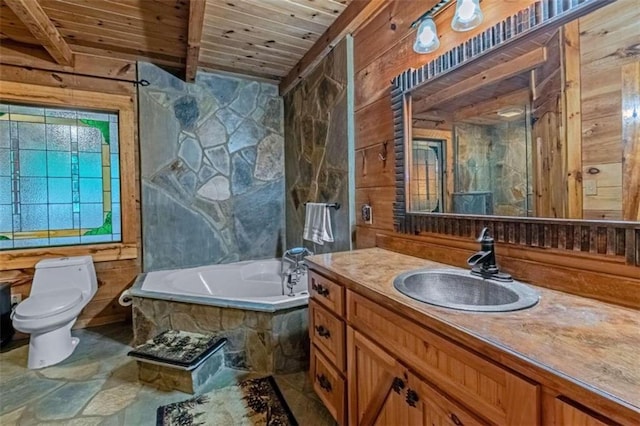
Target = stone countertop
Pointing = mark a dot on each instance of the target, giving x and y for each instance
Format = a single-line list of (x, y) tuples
[(579, 343)]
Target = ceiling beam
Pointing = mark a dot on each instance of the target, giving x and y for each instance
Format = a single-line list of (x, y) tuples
[(196, 24), (39, 24), (357, 13)]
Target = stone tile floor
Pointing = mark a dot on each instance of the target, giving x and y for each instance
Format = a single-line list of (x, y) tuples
[(98, 385)]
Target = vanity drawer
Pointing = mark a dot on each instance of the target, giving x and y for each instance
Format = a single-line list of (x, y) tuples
[(328, 384), (495, 393), (327, 332), (327, 293)]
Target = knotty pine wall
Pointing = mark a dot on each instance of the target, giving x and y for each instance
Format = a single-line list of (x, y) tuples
[(382, 50), (114, 276)]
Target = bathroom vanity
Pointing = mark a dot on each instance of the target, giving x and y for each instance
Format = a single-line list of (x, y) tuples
[(380, 357)]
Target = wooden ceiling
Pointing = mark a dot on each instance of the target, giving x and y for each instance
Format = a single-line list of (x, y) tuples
[(263, 38)]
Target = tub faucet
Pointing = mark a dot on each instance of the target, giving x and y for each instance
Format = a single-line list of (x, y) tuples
[(297, 267), (483, 263)]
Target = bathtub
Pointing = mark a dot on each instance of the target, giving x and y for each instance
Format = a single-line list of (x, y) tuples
[(267, 330), (251, 284)]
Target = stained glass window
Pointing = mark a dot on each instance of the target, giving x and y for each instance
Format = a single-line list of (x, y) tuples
[(59, 177)]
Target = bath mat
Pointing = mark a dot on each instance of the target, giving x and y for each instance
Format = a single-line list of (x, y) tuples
[(178, 348), (251, 402)]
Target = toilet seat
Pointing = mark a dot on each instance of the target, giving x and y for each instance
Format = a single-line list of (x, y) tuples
[(47, 304)]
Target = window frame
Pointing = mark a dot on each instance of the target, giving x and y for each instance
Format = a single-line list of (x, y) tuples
[(124, 106)]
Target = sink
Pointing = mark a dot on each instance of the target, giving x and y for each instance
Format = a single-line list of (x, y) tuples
[(457, 289)]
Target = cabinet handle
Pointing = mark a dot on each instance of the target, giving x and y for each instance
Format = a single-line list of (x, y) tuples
[(324, 382), (320, 289), (397, 385), (323, 331), (456, 420), (412, 397)]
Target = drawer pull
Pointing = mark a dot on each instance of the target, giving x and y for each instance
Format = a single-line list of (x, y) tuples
[(320, 289), (324, 382), (412, 397), (397, 385), (455, 420), (323, 331)]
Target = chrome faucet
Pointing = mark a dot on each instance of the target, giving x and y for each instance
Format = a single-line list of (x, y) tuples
[(297, 267), (483, 263)]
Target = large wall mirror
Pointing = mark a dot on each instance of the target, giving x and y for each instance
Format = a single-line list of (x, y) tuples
[(531, 128), (547, 130)]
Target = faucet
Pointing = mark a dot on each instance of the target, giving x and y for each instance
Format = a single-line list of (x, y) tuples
[(297, 267), (483, 263)]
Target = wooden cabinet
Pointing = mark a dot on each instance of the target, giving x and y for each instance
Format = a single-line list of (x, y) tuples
[(328, 384), (493, 392), (568, 413), (382, 391), (370, 365), (327, 335)]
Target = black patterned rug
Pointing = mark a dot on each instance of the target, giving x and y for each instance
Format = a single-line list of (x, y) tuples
[(179, 348), (251, 402)]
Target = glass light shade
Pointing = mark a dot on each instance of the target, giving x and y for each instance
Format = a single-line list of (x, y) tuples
[(426, 37), (468, 15)]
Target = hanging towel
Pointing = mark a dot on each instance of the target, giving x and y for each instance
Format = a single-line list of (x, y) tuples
[(317, 224)]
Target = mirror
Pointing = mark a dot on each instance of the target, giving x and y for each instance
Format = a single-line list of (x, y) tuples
[(550, 131)]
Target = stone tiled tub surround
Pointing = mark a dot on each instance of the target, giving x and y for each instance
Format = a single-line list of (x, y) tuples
[(212, 169), (265, 342)]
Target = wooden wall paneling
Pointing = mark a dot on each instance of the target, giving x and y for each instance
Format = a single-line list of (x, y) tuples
[(631, 141), (365, 236), (372, 78), (374, 123), (31, 57), (384, 31), (375, 166), (381, 201), (36, 20), (355, 15)]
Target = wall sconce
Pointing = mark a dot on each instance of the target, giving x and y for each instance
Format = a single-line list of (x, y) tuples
[(426, 37), (467, 16)]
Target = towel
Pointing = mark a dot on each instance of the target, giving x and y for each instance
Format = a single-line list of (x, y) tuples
[(317, 224)]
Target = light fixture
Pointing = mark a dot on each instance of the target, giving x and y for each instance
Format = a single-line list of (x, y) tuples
[(426, 37), (509, 112), (468, 15)]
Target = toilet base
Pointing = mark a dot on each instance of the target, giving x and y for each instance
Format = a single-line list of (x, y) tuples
[(52, 347)]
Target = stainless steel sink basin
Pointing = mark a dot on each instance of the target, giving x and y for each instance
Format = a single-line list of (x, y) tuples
[(459, 289)]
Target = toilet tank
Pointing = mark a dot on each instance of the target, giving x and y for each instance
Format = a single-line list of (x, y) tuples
[(64, 273)]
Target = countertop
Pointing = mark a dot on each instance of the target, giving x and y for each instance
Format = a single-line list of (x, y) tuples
[(578, 343)]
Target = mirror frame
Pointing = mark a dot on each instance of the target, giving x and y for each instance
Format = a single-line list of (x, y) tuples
[(608, 238)]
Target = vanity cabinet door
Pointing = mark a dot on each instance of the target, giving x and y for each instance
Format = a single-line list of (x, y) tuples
[(384, 392), (566, 413), (378, 387)]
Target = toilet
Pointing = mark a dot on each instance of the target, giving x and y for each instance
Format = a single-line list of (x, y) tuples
[(61, 288)]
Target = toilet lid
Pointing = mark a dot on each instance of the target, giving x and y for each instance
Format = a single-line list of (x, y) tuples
[(47, 304)]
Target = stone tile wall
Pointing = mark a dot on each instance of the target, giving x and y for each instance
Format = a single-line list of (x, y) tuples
[(495, 158), (212, 167), (258, 341), (316, 152)]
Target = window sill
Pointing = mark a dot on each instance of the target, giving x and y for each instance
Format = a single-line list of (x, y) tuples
[(27, 258)]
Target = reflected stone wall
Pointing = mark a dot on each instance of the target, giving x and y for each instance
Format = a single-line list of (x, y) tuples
[(316, 152), (212, 169), (496, 159)]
